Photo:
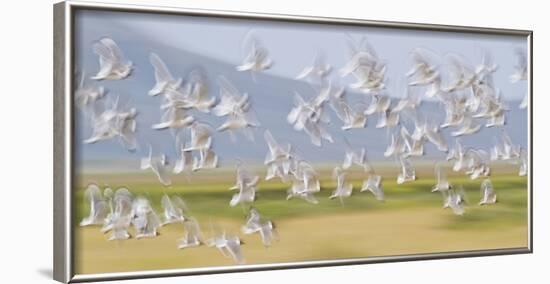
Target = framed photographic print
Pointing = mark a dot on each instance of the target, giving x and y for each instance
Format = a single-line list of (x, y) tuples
[(193, 141)]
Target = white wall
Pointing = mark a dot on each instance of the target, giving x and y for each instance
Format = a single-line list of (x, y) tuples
[(26, 140)]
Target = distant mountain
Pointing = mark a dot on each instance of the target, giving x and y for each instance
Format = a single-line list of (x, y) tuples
[(272, 98)]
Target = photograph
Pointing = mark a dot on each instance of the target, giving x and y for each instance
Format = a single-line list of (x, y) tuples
[(202, 141)]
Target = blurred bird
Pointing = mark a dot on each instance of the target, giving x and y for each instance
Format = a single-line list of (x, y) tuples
[(122, 201), (355, 156), (486, 68), (488, 195), (197, 91), (310, 116), (343, 189), (521, 71), (98, 206), (365, 66), (477, 163), (442, 182), (113, 122), (352, 118), (165, 82), (201, 137), (463, 76), (87, 95), (468, 126), (318, 71), (119, 227), (523, 164), (299, 190), (378, 104), (175, 209), (237, 109), (184, 163), (192, 235), (159, 166), (454, 199), (112, 64), (424, 70), (246, 184), (458, 155), (255, 224), (257, 56), (229, 246), (407, 171), (305, 182), (207, 160), (396, 147), (144, 219), (373, 184), (174, 118)]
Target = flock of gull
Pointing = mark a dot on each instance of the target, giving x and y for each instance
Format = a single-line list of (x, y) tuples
[(467, 94)]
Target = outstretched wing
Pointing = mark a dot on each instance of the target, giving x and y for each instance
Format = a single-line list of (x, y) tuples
[(113, 48), (162, 74)]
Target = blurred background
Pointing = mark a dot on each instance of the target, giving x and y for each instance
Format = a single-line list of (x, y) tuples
[(411, 219)]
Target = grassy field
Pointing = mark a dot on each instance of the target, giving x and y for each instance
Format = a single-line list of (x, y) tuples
[(410, 221)]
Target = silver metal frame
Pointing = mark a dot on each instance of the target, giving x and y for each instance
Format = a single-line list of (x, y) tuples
[(64, 12)]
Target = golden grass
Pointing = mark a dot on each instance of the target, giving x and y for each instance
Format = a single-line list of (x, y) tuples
[(348, 235)]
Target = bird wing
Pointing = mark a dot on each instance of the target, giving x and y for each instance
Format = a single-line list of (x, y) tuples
[(92, 192), (234, 248), (408, 169), (227, 88), (225, 106), (437, 139), (341, 108), (113, 48), (162, 74), (162, 173), (305, 73), (179, 203), (314, 132), (167, 205), (192, 227), (253, 222), (105, 55), (271, 143)]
